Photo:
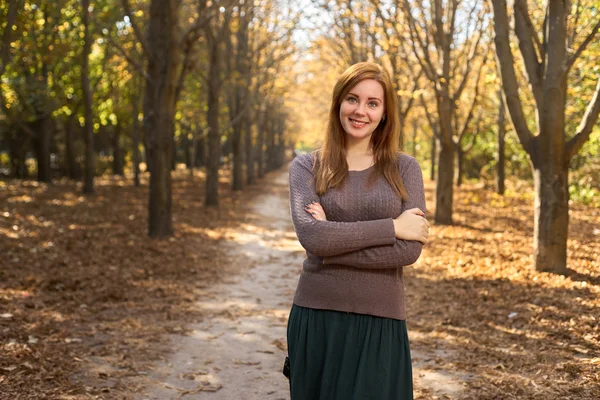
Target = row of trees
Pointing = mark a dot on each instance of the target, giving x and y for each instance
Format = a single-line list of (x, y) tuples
[(204, 78), (191, 79), (450, 58)]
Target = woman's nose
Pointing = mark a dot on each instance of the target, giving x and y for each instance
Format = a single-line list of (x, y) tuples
[(360, 109)]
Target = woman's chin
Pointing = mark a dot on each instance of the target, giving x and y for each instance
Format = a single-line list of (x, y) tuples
[(360, 135)]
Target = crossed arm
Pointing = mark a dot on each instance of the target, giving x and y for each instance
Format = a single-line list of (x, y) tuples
[(362, 244)]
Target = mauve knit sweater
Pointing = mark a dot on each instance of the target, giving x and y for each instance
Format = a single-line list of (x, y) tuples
[(353, 260)]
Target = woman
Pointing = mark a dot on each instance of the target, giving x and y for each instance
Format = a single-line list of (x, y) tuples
[(357, 206)]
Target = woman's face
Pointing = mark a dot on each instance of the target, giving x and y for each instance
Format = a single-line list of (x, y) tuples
[(362, 109)]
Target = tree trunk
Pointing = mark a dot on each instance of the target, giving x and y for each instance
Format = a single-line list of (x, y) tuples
[(173, 145), (433, 156), (158, 112), (237, 178), (135, 138), (551, 217), (214, 136), (251, 152), (401, 126), (18, 144), (551, 182), (200, 149), (270, 143), (187, 148), (90, 163), (444, 186), (280, 141), (43, 144), (261, 146), (241, 96), (73, 167), (500, 177), (461, 158), (444, 191), (117, 151), (414, 137)]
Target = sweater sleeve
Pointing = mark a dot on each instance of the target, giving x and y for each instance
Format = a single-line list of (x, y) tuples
[(402, 252), (329, 238)]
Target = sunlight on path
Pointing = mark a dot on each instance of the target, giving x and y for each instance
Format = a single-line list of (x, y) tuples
[(238, 351)]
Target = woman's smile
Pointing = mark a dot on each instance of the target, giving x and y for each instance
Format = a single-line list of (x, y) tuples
[(357, 123)]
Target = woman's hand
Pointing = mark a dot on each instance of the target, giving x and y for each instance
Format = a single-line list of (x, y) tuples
[(315, 209), (412, 225)]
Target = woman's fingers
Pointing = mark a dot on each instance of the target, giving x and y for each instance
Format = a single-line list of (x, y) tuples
[(316, 210), (416, 211)]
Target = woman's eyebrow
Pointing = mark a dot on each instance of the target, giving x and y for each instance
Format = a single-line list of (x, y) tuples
[(370, 98)]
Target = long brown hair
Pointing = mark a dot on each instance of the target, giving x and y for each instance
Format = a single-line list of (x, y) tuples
[(329, 162)]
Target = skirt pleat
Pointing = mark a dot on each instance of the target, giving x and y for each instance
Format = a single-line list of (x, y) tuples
[(337, 355)]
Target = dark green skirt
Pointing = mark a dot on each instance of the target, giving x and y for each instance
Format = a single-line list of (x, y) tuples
[(337, 355)]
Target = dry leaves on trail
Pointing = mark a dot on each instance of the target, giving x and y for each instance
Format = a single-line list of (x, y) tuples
[(205, 387), (523, 334), (84, 291)]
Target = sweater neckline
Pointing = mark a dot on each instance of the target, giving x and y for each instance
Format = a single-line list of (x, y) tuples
[(361, 170)]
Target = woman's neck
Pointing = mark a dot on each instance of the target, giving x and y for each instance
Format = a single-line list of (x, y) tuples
[(361, 148)]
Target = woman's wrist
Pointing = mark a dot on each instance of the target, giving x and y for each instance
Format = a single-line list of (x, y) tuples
[(396, 228)]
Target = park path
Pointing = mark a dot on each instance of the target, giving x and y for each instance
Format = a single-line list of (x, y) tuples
[(237, 352)]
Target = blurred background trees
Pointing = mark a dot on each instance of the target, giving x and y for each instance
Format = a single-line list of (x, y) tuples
[(496, 94), (93, 87)]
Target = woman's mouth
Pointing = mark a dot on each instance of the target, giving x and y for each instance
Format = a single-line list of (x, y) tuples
[(358, 124)]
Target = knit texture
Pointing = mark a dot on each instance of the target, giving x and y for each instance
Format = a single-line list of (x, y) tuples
[(353, 260)]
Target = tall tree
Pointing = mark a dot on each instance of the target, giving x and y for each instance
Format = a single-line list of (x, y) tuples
[(240, 88), (547, 62), (16, 143), (447, 53), (500, 159), (215, 31), (11, 16), (90, 163), (160, 49)]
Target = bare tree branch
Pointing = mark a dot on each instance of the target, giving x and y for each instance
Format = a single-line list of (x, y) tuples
[(505, 61), (585, 127), (465, 50), (575, 24), (465, 126), (527, 47), (430, 120), (475, 133), (425, 59), (583, 45), (467, 71)]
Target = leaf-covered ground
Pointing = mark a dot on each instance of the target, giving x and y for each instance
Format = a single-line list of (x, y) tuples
[(86, 298), (516, 333)]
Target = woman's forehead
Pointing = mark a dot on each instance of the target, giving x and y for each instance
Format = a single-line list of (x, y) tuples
[(368, 88)]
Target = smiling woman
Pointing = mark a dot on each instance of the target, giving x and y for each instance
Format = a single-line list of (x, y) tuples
[(357, 206)]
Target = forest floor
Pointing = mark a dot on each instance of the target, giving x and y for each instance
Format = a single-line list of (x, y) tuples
[(90, 308)]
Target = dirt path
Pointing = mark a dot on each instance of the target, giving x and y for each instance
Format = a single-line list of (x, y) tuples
[(238, 351)]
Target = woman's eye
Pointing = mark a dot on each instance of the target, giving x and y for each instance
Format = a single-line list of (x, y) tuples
[(351, 99), (373, 104)]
